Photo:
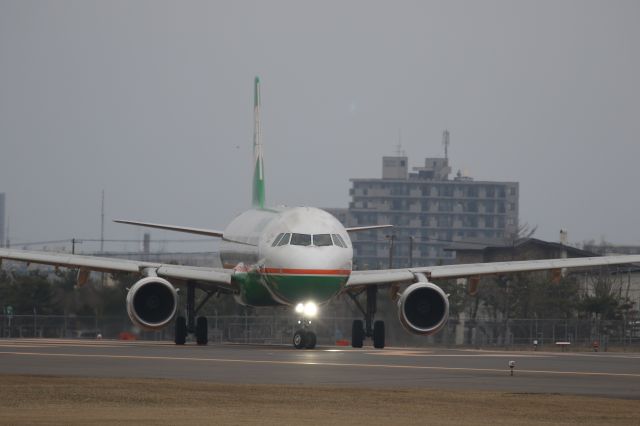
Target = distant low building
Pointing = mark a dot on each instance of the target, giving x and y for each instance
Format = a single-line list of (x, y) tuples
[(607, 249), (626, 278), (520, 249)]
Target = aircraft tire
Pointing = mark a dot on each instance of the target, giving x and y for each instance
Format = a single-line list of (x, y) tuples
[(378, 334), (299, 339), (357, 334), (181, 331), (202, 331), (311, 340)]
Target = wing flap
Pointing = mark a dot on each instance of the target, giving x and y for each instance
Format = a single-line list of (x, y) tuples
[(218, 276), (387, 276)]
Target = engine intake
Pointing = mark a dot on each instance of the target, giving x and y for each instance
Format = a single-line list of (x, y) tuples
[(423, 308), (152, 303)]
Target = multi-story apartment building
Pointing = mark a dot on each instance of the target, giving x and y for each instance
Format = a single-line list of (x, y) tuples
[(429, 211)]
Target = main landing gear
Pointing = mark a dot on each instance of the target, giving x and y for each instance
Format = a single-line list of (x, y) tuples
[(368, 328), (304, 338), (198, 326)]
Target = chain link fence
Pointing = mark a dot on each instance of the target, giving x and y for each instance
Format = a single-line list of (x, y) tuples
[(279, 329)]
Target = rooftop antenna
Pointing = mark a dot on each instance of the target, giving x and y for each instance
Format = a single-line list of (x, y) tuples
[(399, 151), (445, 142)]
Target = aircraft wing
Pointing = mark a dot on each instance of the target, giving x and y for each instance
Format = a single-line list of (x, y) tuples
[(214, 277), (188, 230), (399, 276), (367, 228)]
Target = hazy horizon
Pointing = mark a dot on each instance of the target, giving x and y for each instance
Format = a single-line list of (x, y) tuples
[(152, 102)]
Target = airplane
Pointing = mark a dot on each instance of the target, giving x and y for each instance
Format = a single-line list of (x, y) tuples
[(300, 257)]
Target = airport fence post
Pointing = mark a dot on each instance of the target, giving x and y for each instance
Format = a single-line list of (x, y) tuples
[(246, 327)]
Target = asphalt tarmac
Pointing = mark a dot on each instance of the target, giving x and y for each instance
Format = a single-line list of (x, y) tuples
[(602, 374)]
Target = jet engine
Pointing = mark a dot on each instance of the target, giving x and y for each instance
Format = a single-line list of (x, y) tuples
[(152, 303), (423, 308)]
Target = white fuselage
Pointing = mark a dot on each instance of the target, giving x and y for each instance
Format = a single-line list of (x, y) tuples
[(314, 262)]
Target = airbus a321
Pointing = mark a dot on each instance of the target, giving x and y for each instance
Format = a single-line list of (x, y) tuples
[(299, 257)]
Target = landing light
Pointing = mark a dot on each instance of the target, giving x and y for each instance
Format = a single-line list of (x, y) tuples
[(299, 308), (310, 309)]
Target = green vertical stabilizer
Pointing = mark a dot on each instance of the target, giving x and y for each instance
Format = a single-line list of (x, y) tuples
[(258, 171)]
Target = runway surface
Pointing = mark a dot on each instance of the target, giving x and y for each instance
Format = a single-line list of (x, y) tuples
[(603, 374)]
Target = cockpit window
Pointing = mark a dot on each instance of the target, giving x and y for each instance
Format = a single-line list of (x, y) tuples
[(337, 239), (322, 240), (277, 240), (285, 240), (318, 240), (300, 239)]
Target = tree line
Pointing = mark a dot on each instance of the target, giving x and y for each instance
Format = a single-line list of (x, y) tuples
[(604, 296)]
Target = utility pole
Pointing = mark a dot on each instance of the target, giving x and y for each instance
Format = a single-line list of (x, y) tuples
[(391, 238), (102, 225), (102, 276), (74, 241), (411, 238)]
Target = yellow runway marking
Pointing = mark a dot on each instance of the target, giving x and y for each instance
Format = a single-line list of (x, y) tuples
[(325, 364)]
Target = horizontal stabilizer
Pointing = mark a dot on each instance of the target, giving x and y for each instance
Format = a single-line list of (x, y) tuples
[(197, 231), (367, 228)]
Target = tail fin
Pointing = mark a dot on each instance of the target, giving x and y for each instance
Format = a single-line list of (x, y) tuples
[(258, 172)]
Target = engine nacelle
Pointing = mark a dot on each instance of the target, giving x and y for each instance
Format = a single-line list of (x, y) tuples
[(423, 308), (152, 303)]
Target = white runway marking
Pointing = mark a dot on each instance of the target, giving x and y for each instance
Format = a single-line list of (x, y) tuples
[(321, 364), (433, 355)]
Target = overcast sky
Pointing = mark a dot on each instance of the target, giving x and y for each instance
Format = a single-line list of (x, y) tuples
[(152, 102)]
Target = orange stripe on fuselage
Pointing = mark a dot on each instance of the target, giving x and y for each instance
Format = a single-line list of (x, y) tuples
[(287, 271)]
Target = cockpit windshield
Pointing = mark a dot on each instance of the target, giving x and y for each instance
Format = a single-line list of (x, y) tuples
[(300, 239), (322, 240), (284, 240), (277, 240), (317, 240), (337, 240)]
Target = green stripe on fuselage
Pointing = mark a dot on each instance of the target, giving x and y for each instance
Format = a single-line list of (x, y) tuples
[(288, 288), (252, 289), (303, 288)]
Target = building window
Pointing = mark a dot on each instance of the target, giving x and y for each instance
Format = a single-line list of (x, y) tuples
[(490, 206), (489, 222)]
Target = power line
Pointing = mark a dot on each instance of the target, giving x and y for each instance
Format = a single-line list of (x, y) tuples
[(78, 240)]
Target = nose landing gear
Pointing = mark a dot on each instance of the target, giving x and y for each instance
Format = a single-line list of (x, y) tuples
[(304, 338)]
